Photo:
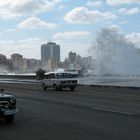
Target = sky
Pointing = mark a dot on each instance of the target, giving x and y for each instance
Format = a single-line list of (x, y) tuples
[(73, 24)]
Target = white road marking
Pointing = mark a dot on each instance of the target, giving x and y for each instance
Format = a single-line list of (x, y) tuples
[(114, 111)]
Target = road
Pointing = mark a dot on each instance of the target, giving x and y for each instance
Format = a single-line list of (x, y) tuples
[(89, 113)]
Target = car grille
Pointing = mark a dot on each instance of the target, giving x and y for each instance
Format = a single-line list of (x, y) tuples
[(4, 104)]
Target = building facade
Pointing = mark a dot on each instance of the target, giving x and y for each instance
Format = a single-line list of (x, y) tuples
[(17, 61), (50, 51), (72, 57), (3, 58), (31, 65)]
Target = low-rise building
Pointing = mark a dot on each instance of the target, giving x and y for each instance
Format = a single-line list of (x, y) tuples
[(17, 61)]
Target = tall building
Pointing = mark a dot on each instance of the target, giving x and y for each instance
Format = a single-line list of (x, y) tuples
[(51, 64), (50, 50), (72, 57)]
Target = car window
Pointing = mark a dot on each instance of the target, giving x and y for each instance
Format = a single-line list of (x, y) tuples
[(63, 75)]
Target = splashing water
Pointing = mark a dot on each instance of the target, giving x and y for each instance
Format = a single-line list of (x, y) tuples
[(115, 54)]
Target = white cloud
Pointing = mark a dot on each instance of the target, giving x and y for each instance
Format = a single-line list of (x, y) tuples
[(95, 3), (129, 11), (123, 22), (119, 2), (17, 8), (33, 22), (61, 7), (10, 30), (67, 43), (29, 48), (71, 35), (78, 47), (83, 15)]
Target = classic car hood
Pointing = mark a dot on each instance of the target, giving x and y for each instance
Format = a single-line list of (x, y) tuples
[(4, 97)]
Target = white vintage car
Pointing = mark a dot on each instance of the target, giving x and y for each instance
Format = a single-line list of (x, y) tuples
[(59, 80)]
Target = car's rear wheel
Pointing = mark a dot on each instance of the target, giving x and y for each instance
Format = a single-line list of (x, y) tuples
[(9, 118)]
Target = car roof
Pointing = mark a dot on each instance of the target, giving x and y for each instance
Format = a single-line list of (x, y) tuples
[(57, 73)]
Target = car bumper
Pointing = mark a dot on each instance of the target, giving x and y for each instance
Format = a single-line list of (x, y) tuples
[(10, 112), (68, 85)]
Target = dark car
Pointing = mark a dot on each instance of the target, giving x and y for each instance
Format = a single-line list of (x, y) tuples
[(7, 107)]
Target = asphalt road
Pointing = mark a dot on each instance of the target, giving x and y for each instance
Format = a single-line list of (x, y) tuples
[(88, 113)]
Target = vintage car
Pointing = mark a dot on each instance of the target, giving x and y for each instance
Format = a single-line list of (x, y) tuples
[(59, 80), (7, 107)]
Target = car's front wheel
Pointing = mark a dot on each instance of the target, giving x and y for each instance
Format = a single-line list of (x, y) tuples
[(44, 87), (9, 118), (72, 88), (56, 87)]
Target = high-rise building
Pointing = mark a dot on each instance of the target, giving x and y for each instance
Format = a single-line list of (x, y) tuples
[(50, 50), (72, 57)]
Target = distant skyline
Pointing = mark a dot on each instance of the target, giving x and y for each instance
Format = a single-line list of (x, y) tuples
[(26, 25)]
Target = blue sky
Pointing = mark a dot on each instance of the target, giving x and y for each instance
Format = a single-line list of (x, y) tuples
[(25, 25)]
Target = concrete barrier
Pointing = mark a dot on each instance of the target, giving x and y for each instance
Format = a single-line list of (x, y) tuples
[(18, 77)]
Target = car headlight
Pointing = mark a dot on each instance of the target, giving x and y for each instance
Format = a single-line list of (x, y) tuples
[(12, 100)]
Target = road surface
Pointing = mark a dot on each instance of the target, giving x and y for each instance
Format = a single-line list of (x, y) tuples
[(88, 113)]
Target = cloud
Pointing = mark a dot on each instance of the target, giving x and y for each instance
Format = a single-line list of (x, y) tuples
[(129, 11), (119, 2), (33, 22), (10, 30), (69, 42), (123, 22), (17, 8), (95, 3), (29, 48), (71, 35), (83, 15), (78, 47)]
